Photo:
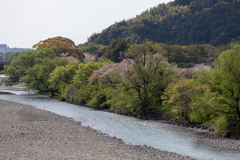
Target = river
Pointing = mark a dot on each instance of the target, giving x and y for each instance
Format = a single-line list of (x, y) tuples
[(131, 130)]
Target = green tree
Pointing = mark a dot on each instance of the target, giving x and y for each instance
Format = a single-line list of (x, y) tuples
[(90, 48), (183, 2), (62, 76), (148, 78), (23, 62), (120, 100), (102, 50), (7, 57), (36, 77), (182, 22), (84, 71), (116, 50), (34, 68), (178, 97), (80, 91), (150, 47), (222, 103)]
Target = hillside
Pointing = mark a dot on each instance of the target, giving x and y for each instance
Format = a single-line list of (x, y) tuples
[(182, 22)]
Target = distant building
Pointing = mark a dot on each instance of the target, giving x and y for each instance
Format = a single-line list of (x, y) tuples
[(4, 49), (17, 49)]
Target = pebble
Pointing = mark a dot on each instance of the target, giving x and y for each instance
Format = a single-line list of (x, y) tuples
[(37, 134)]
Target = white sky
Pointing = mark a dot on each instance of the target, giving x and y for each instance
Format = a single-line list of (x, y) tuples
[(26, 22)]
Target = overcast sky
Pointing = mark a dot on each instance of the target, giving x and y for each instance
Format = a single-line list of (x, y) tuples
[(26, 22)]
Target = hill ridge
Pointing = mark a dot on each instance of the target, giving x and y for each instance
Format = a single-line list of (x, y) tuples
[(184, 22)]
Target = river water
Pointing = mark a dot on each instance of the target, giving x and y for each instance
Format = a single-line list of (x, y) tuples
[(131, 130)]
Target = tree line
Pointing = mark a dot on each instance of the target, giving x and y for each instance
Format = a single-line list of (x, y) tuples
[(145, 86), (120, 49)]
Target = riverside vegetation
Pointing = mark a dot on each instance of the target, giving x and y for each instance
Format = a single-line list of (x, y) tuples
[(143, 84)]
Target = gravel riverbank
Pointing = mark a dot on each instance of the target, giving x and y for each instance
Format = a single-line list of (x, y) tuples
[(30, 133)]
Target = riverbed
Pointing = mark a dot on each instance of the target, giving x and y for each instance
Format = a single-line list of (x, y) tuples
[(32, 134), (181, 140)]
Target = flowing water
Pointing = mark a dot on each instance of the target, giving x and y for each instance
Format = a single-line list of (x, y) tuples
[(131, 130)]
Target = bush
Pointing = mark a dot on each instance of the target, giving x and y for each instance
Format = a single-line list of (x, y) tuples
[(179, 95)]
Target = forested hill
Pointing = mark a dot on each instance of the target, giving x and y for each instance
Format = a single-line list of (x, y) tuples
[(183, 22)]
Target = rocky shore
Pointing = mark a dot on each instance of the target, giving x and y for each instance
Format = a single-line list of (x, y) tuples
[(30, 133)]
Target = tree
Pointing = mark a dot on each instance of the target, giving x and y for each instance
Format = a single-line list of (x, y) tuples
[(222, 103), (179, 95), (183, 2), (36, 77), (93, 37), (84, 71), (80, 91), (182, 22), (7, 57), (148, 78), (62, 46), (62, 76), (117, 50), (34, 68), (23, 62), (151, 48), (102, 50), (90, 48)]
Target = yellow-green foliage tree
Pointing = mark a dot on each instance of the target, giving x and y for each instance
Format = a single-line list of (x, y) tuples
[(84, 71), (62, 76), (179, 95), (221, 104), (149, 47), (62, 46), (72, 82), (148, 78), (102, 50)]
